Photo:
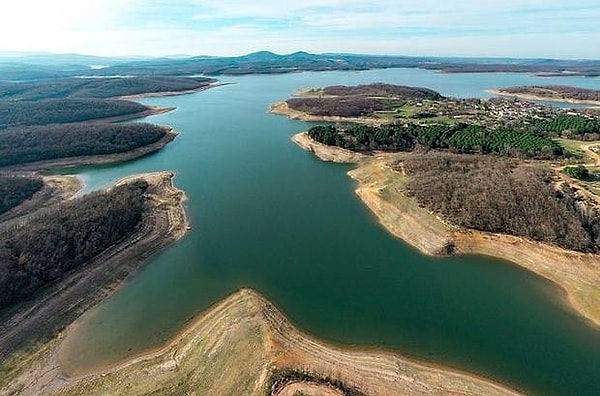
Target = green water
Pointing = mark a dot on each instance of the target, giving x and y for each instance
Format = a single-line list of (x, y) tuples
[(270, 216)]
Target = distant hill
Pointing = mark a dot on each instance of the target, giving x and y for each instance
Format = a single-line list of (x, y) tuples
[(266, 62)]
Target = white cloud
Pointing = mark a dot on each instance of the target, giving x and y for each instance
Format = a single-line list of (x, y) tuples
[(225, 27)]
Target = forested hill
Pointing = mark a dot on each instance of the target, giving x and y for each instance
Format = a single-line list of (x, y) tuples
[(64, 238), (15, 190), (56, 111), (359, 100), (383, 90), (19, 145), (77, 88), (265, 62), (556, 92), (502, 196)]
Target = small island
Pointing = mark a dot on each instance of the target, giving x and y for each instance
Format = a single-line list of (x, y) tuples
[(470, 176), (553, 93)]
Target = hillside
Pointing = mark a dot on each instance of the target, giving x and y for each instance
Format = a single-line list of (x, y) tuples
[(20, 145), (98, 88), (15, 190), (58, 111)]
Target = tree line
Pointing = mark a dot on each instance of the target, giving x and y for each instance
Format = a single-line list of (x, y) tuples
[(65, 237), (24, 144), (461, 138), (565, 125)]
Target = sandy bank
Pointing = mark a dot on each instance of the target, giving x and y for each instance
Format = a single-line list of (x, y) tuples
[(324, 152), (37, 322), (526, 96), (96, 159), (380, 188), (244, 345)]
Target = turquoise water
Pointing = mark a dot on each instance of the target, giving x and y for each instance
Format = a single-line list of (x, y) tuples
[(270, 216)]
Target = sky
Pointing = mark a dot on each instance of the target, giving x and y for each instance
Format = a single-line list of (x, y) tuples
[(503, 28)]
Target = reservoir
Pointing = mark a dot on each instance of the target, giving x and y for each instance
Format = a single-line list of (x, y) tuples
[(270, 216)]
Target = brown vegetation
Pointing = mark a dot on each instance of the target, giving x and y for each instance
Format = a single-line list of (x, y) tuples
[(500, 196), (557, 92), (383, 90)]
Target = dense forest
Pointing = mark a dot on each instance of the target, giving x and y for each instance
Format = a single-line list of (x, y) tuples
[(499, 196), (566, 125), (100, 88), (56, 111), (562, 91), (460, 138), (24, 144), (14, 190), (64, 238)]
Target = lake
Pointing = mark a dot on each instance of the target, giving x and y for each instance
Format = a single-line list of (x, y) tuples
[(270, 216)]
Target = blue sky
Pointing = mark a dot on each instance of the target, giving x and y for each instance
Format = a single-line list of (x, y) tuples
[(518, 28)]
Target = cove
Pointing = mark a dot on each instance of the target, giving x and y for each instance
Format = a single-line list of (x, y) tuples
[(270, 216)]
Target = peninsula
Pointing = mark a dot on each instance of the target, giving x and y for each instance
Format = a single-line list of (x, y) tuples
[(553, 93), (39, 313), (469, 176)]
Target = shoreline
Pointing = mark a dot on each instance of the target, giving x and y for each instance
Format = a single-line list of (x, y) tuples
[(527, 96), (326, 153), (281, 345), (100, 159), (46, 319), (151, 111), (56, 188), (171, 93), (576, 274), (282, 108)]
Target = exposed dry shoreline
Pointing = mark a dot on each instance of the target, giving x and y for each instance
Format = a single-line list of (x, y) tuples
[(379, 187), (39, 320), (326, 153), (249, 343), (527, 96), (152, 110), (96, 159)]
